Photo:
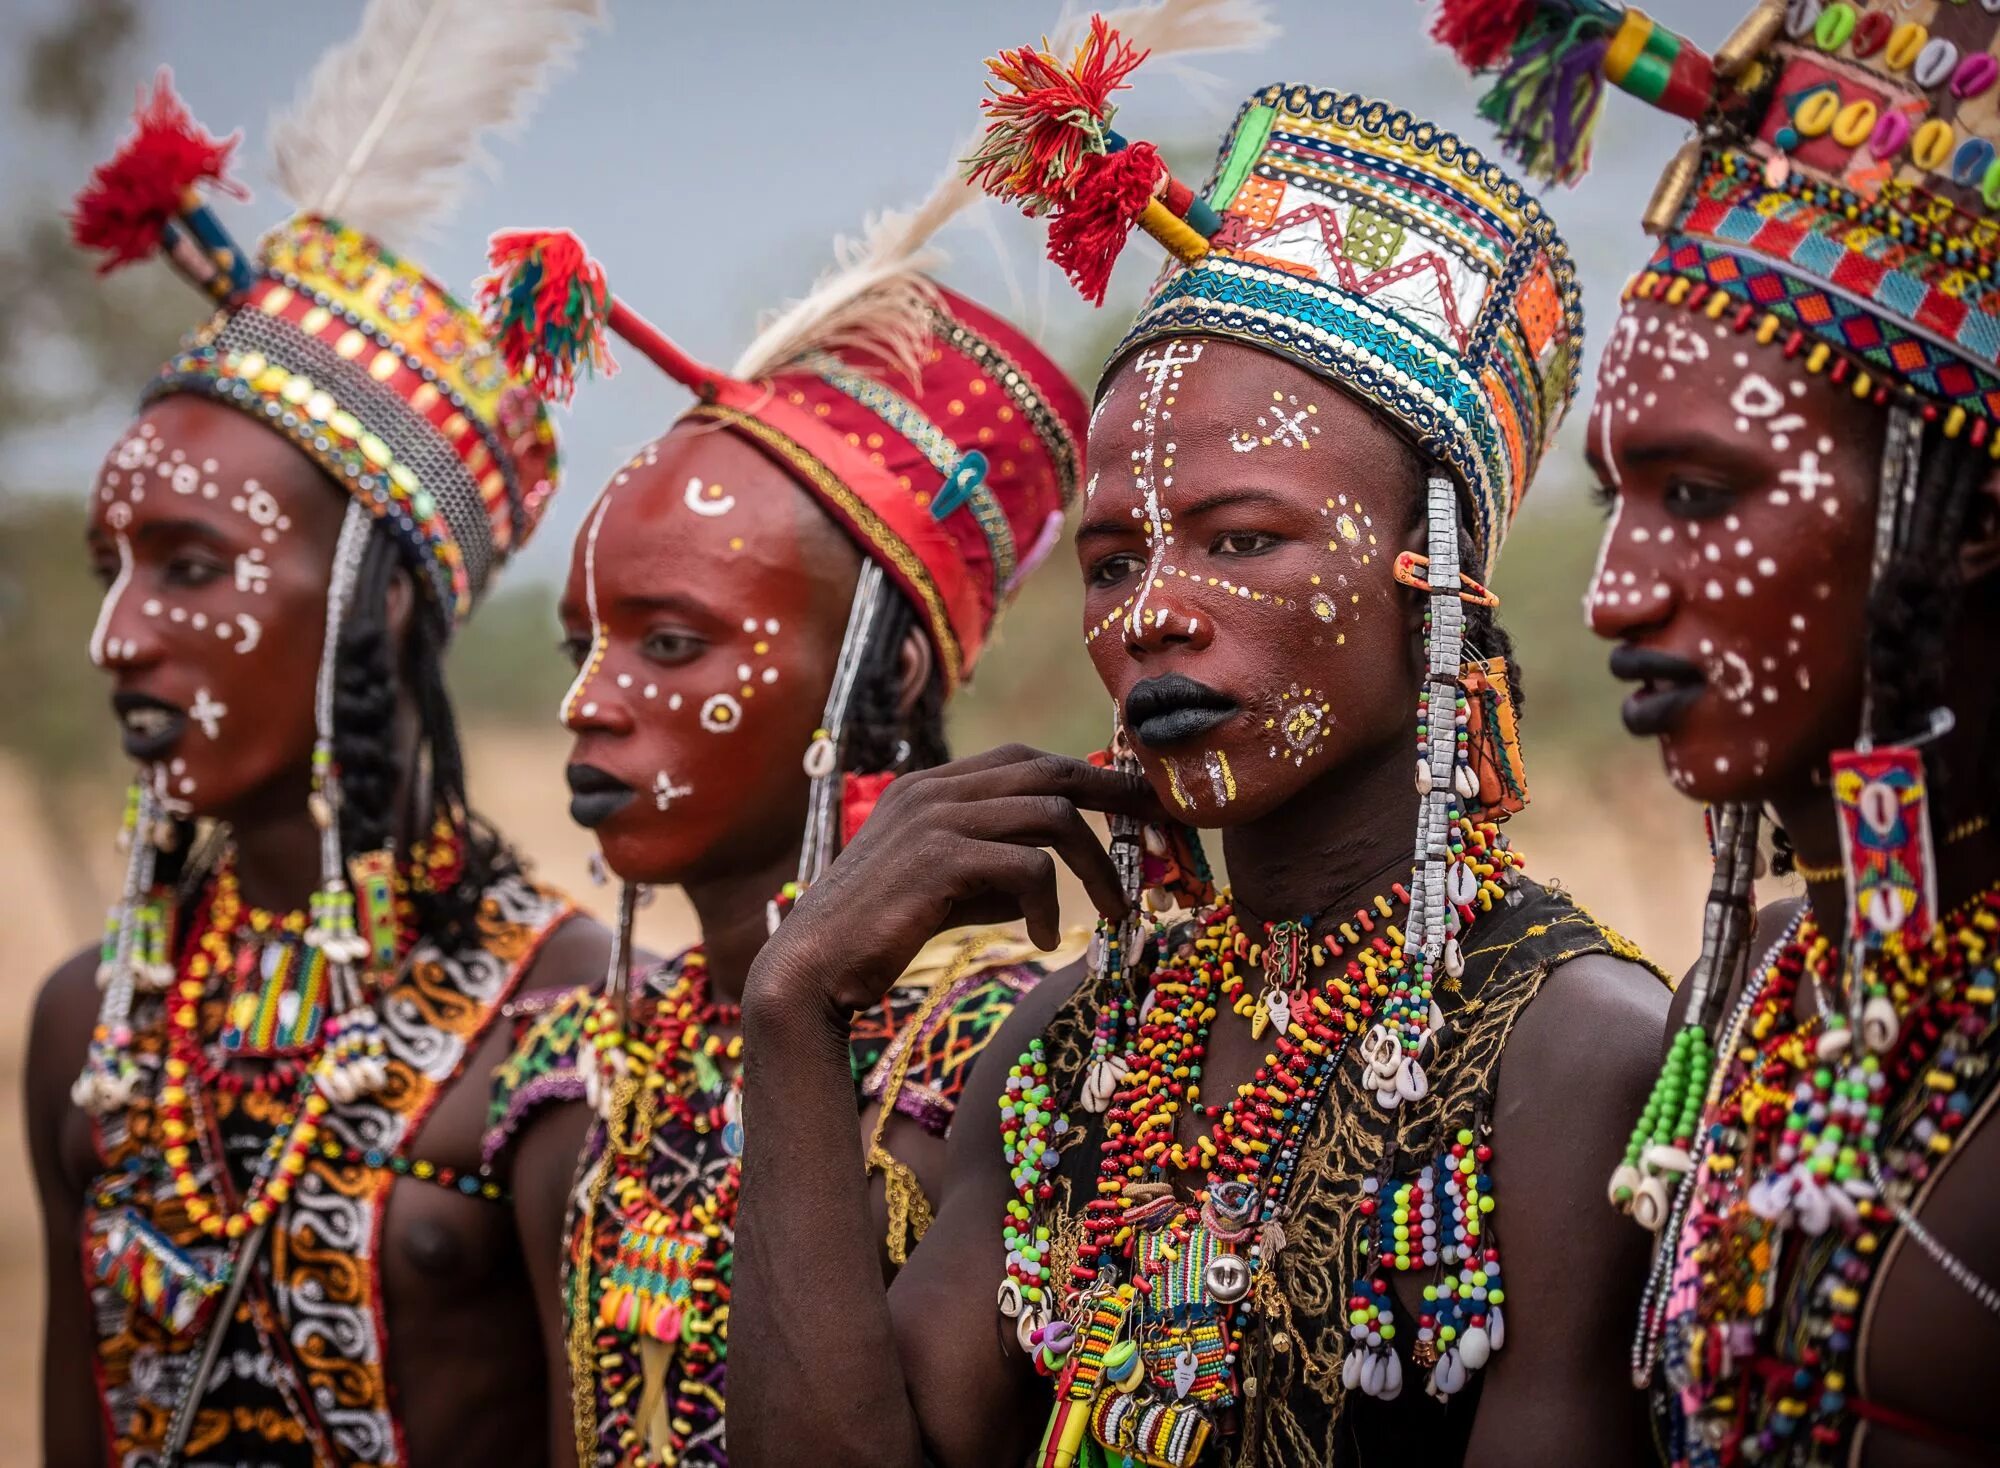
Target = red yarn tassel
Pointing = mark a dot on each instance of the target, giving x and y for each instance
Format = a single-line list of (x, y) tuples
[(1049, 119), (1481, 33), (1088, 232), (546, 302), (131, 198)]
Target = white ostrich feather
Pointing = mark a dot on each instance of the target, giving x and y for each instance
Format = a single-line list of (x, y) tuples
[(384, 131), (877, 296)]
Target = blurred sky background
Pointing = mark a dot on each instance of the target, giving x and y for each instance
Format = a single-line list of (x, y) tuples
[(709, 154)]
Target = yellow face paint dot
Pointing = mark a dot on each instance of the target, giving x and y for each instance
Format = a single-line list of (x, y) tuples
[(736, 542)]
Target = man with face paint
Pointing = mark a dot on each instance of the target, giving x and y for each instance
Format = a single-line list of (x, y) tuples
[(268, 1235), (1794, 425), (768, 607), (1237, 1203)]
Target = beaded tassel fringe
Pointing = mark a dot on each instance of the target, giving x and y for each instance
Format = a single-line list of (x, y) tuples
[(135, 955), (1662, 1145), (1393, 1049)]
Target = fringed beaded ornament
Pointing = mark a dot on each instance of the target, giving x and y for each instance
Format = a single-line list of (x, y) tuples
[(137, 954)]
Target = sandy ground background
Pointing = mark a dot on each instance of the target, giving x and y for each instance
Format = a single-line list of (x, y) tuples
[(1632, 857)]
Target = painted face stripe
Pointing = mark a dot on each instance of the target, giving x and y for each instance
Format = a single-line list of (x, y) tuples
[(112, 596), (597, 636)]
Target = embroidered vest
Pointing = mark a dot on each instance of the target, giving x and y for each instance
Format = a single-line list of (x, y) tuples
[(302, 1376), (1295, 1409)]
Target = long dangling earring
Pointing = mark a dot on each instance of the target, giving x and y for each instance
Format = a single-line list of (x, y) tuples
[(822, 758), (137, 953), (1409, 1017), (355, 1061), (605, 1025), (1115, 947), (1661, 1148)]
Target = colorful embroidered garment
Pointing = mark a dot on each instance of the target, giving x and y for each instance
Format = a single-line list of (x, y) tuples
[(313, 1326), (651, 1225)]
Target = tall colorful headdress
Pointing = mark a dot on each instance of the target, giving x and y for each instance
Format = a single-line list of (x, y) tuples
[(1369, 247), (360, 359)]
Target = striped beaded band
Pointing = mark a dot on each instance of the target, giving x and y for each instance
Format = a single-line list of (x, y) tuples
[(388, 383), (1867, 284)]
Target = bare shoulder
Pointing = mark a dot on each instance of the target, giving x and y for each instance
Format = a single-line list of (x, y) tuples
[(59, 1036), (65, 1014), (1586, 1048), (572, 957)]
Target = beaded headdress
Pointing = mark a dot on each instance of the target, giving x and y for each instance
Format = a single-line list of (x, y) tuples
[(1838, 196), (369, 367), (358, 356), (937, 435)]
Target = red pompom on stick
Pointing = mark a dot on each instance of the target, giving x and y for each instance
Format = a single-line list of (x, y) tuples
[(1481, 33), (1049, 119), (1089, 230), (131, 198), (548, 306)]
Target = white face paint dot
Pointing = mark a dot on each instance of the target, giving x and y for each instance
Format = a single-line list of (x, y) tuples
[(1713, 590), (1767, 567), (749, 624), (589, 711), (770, 675), (624, 680), (1744, 586), (673, 700), (720, 713), (652, 690)]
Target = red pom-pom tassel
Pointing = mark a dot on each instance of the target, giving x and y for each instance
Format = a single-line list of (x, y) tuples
[(1049, 119), (1088, 231), (1481, 33), (547, 304), (131, 198)]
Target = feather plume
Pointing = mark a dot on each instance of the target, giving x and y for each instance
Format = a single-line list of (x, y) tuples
[(1174, 29), (877, 296), (383, 132)]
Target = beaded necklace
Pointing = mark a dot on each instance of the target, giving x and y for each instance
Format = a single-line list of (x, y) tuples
[(1812, 1141), (235, 939), (1143, 1336), (662, 1297)]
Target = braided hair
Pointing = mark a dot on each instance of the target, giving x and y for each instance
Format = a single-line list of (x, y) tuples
[(876, 725), (369, 673), (1915, 602)]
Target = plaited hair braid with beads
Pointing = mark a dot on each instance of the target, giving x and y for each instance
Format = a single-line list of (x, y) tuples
[(368, 674), (875, 725)]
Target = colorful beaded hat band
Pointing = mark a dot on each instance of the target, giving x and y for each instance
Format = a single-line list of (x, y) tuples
[(1838, 200), (359, 358), (1368, 247), (943, 440)]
